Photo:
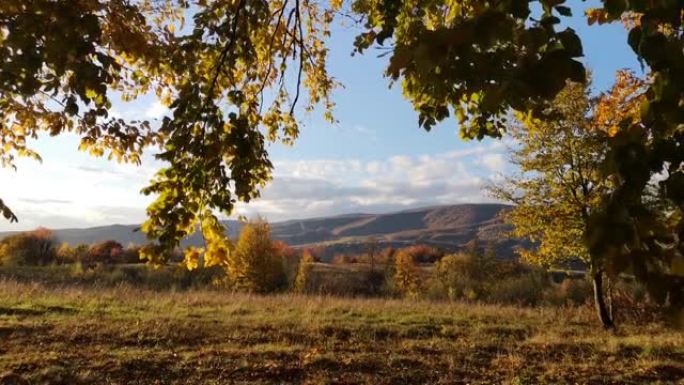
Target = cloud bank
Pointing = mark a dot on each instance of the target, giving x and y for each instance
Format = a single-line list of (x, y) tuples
[(86, 192)]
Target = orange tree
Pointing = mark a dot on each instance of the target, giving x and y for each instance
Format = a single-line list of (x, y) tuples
[(64, 60)]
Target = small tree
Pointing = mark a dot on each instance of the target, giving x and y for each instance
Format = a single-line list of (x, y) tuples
[(467, 274), (454, 272), (561, 182), (303, 279), (256, 265), (372, 246), (406, 279)]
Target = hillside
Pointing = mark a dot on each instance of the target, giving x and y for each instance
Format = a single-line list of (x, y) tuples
[(448, 227)]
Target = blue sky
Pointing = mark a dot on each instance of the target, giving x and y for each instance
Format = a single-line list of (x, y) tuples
[(376, 159)]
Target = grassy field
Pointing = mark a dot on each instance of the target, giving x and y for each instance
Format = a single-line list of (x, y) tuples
[(123, 335)]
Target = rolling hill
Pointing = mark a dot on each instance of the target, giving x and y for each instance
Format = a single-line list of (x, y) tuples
[(448, 227)]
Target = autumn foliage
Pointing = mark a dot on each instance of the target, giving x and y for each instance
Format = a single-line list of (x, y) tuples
[(303, 278), (406, 274), (35, 247), (256, 263)]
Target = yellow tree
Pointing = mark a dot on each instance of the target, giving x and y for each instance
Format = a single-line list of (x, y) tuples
[(256, 263), (303, 278), (561, 182), (405, 276)]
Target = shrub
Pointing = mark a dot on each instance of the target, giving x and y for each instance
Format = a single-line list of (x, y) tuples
[(344, 259), (465, 275), (453, 278), (423, 253), (527, 289), (65, 254), (575, 291), (130, 255), (35, 247), (105, 252), (81, 252)]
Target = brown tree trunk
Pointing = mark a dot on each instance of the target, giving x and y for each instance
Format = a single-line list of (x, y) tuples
[(604, 313)]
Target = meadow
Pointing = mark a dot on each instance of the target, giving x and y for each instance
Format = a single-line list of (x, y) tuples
[(61, 333)]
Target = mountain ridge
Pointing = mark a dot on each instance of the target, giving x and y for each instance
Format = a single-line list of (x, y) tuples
[(446, 226)]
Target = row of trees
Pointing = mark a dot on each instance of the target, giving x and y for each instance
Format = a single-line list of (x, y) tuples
[(421, 253), (41, 247), (262, 265), (256, 262), (473, 274)]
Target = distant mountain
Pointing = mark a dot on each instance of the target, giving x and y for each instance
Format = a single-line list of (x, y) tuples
[(449, 227)]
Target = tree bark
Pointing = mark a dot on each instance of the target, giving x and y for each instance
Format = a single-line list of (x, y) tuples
[(604, 314)]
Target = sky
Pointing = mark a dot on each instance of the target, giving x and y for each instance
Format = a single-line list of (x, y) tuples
[(376, 159)]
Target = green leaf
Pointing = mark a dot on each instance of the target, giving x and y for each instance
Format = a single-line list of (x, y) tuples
[(571, 42), (563, 10)]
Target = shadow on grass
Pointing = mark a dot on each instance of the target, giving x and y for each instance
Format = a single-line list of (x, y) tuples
[(40, 311)]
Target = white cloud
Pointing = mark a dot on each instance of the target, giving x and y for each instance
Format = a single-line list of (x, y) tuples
[(328, 187), (494, 162), (86, 192), (157, 110)]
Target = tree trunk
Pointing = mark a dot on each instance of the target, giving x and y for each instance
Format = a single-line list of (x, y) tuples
[(604, 314)]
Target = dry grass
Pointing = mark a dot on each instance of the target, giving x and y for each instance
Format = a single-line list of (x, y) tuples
[(123, 335)]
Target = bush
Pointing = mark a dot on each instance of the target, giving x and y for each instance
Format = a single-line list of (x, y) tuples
[(423, 253), (527, 289), (105, 252), (65, 254), (35, 247), (453, 278), (344, 259), (131, 255), (477, 275), (81, 252), (574, 291), (465, 275)]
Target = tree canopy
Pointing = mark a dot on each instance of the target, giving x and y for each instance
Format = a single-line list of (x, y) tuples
[(233, 73), (559, 183), (225, 75)]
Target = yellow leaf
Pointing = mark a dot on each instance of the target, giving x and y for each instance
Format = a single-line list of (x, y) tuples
[(192, 256), (613, 130)]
